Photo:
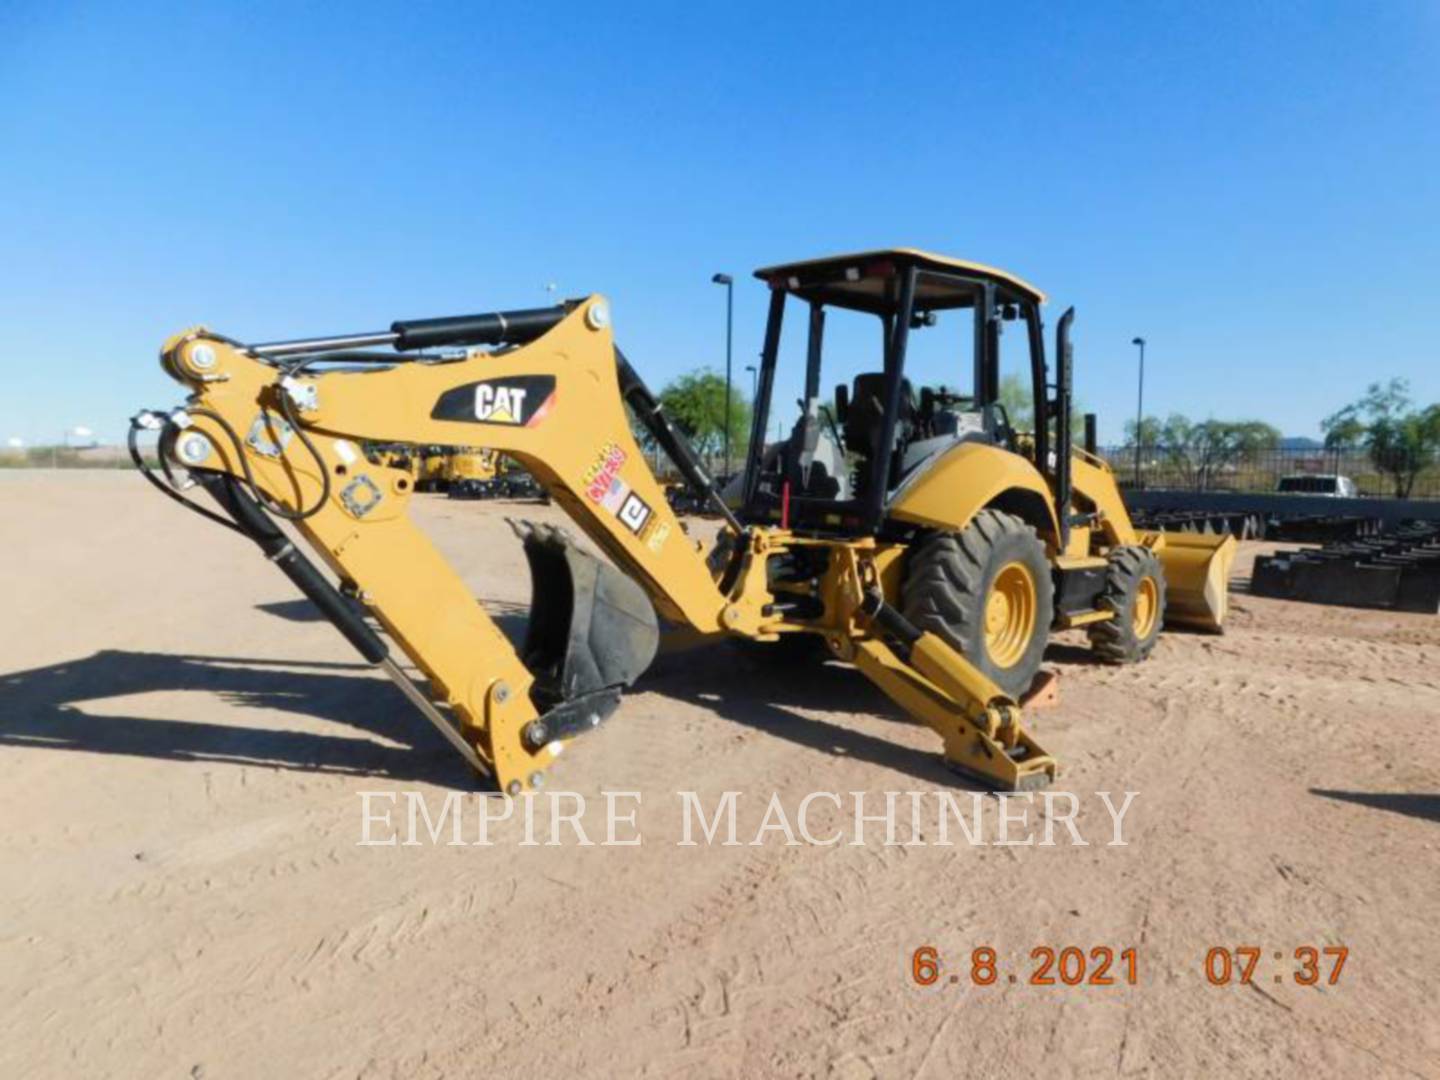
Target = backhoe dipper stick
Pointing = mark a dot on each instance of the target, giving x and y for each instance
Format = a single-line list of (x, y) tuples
[(300, 570)]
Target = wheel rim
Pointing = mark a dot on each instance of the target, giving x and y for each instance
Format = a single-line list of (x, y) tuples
[(1010, 615), (1147, 605)]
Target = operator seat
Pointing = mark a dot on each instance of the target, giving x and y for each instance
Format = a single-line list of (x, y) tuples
[(865, 414)]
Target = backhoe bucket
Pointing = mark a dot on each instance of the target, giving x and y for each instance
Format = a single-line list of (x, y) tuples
[(1197, 576), (592, 629)]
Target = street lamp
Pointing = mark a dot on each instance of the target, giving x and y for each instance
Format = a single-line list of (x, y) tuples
[(729, 283), (754, 383), (1139, 408)]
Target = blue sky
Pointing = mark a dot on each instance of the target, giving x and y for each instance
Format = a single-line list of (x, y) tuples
[(1255, 187)]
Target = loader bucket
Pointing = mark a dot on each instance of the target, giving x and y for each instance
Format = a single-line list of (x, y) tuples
[(1197, 576), (591, 628)]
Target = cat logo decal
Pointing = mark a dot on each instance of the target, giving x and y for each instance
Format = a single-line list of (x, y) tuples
[(518, 401)]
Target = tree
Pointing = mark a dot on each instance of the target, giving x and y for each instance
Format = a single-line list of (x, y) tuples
[(1200, 451), (1400, 439), (1019, 404), (1150, 429), (695, 402)]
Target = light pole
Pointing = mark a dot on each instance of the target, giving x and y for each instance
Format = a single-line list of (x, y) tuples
[(729, 283), (754, 383), (1139, 409)]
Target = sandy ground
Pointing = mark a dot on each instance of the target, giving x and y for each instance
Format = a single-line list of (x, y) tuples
[(182, 892)]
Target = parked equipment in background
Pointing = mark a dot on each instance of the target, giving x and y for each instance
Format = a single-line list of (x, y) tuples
[(935, 551), (395, 456), (430, 471), (1330, 484), (503, 479), (686, 500), (469, 463)]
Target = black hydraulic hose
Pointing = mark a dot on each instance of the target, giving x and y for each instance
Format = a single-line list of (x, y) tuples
[(132, 440), (652, 414), (287, 410)]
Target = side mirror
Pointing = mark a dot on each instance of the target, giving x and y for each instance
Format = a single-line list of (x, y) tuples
[(842, 403)]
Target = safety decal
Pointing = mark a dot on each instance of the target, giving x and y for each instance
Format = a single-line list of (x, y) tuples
[(602, 479), (659, 532), (634, 513), (604, 487), (517, 401)]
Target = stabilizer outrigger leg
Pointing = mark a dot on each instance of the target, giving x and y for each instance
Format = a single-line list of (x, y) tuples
[(984, 740)]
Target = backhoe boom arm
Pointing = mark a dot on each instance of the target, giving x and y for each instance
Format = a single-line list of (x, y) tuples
[(265, 426)]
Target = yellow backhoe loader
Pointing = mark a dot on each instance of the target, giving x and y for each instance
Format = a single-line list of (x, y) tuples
[(397, 456), (431, 463), (470, 463), (920, 537)]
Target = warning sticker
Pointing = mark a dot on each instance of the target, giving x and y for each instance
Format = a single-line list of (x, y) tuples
[(614, 497), (604, 488), (634, 513), (602, 476), (658, 535)]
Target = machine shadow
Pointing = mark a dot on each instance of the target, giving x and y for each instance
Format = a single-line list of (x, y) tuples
[(510, 617), (767, 695), (1058, 652), (1425, 807), (300, 610), (43, 708)]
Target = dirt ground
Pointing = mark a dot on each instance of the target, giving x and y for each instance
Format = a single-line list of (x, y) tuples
[(183, 891)]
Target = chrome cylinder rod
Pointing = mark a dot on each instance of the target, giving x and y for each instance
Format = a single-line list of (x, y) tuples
[(324, 345), (427, 707)]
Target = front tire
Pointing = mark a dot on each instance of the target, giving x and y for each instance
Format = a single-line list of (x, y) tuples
[(987, 591), (1135, 591)]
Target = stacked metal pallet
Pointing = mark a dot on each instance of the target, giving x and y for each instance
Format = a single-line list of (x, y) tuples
[(1399, 569), (1323, 528), (1243, 526)]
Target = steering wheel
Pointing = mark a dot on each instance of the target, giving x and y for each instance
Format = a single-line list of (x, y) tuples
[(1004, 432)]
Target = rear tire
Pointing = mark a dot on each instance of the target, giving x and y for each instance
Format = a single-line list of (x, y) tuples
[(1135, 591), (987, 591)]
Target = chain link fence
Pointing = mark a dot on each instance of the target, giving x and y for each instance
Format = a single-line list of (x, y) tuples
[(1304, 471)]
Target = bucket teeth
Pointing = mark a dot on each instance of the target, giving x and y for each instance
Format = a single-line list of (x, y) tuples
[(539, 532)]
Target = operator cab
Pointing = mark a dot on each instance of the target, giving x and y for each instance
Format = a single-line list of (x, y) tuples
[(849, 453)]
